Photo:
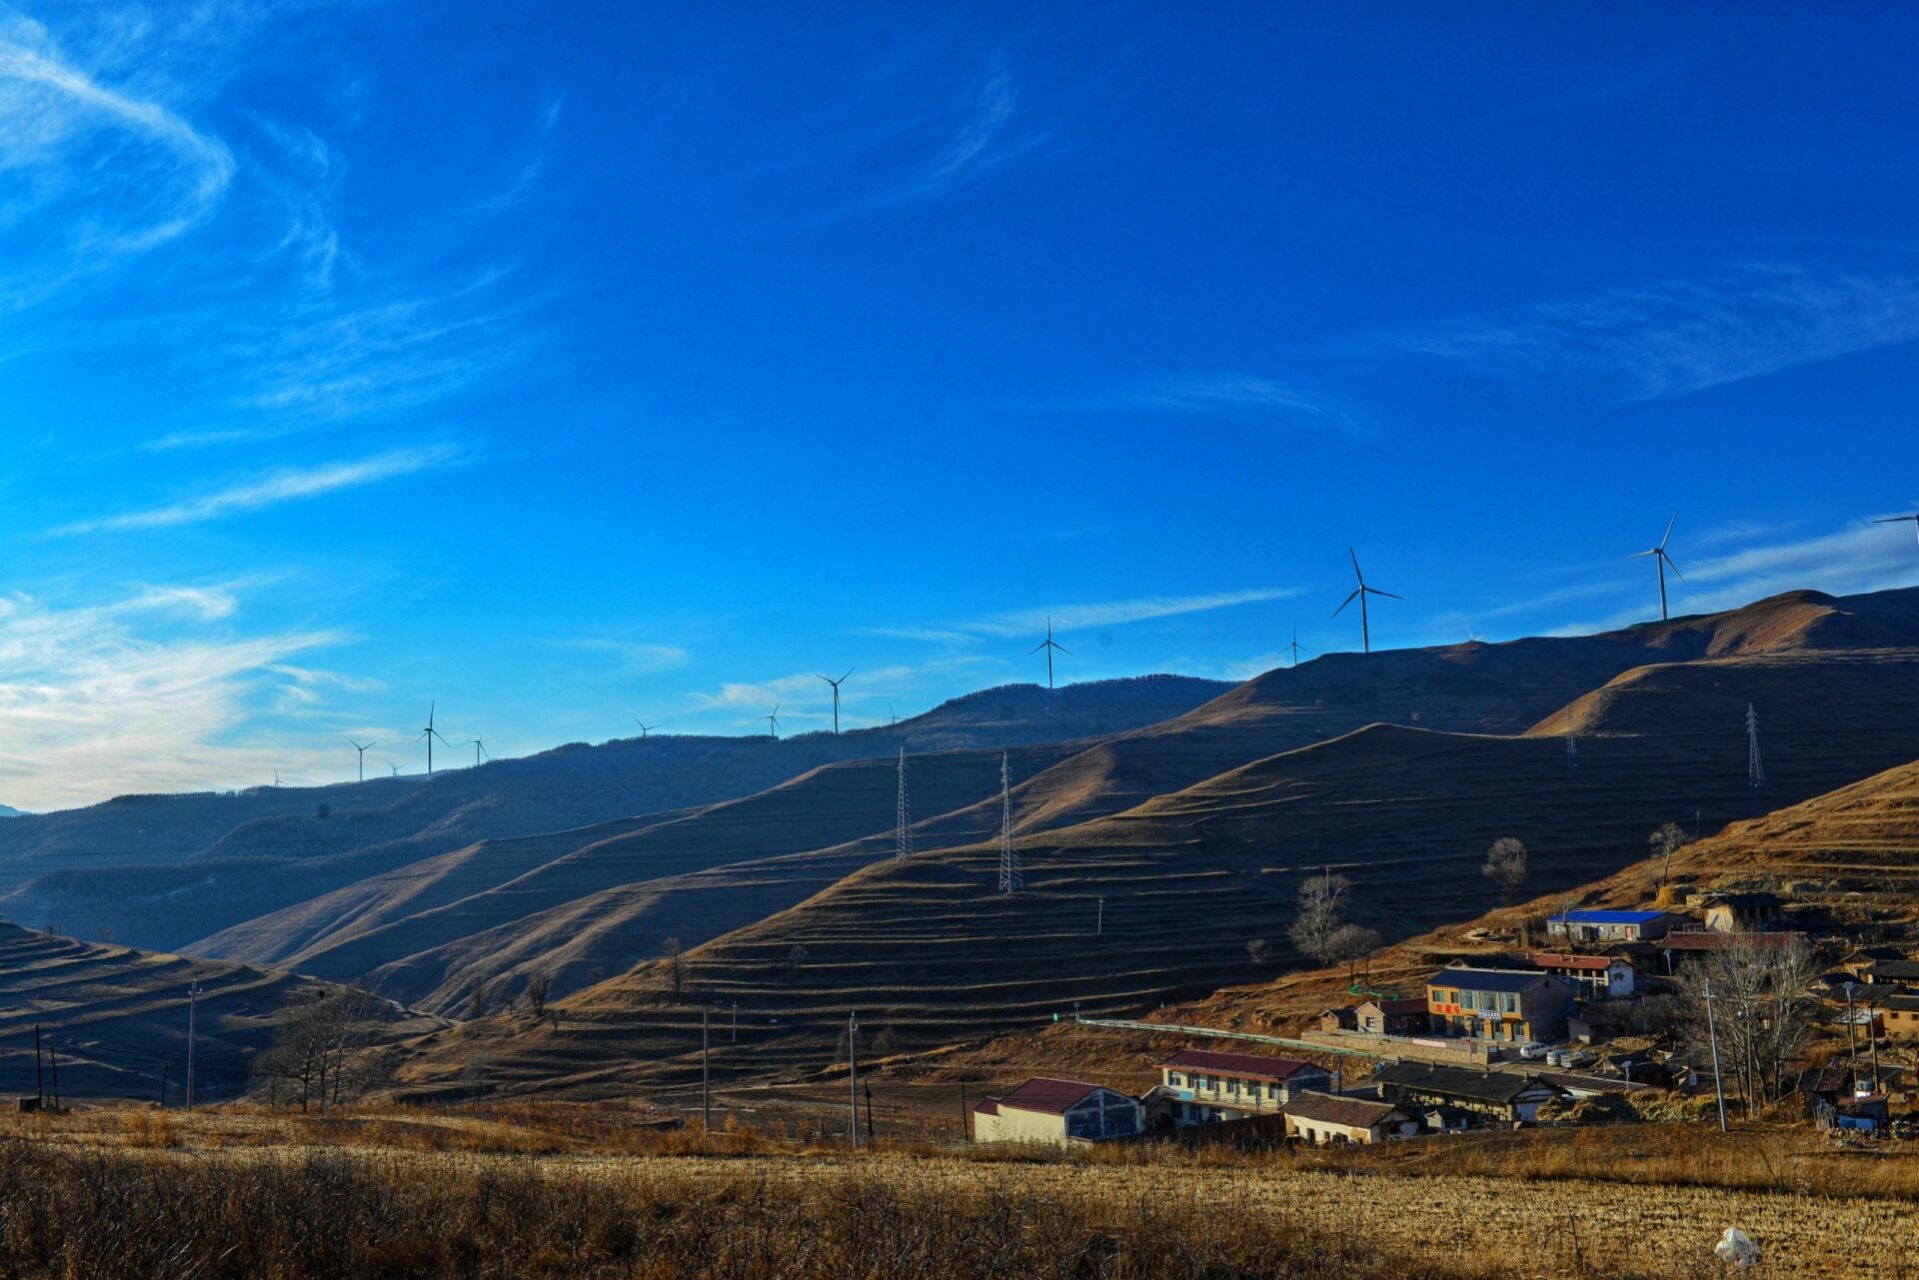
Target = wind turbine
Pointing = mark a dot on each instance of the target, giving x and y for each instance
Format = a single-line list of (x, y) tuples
[(645, 728), (479, 753), (428, 734), (836, 696), (1049, 645), (362, 750), (394, 767), (1663, 562), (773, 721), (892, 714), (276, 777), (1901, 520), (1296, 648), (1360, 593)]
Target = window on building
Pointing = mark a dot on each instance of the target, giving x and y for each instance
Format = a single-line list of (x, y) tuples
[(1172, 1077)]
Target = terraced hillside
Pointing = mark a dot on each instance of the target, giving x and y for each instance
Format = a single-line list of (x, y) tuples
[(116, 1018), (598, 899), (1853, 852), (927, 952), (167, 870)]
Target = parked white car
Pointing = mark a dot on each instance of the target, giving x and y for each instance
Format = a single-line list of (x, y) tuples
[(1532, 1052)]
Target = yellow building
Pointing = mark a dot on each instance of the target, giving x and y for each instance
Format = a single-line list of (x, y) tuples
[(1057, 1113)]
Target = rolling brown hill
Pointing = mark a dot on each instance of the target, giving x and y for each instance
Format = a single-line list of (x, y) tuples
[(927, 952), (168, 870), (593, 900), (117, 1017)]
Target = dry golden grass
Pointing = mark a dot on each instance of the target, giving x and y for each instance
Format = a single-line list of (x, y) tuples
[(588, 1192)]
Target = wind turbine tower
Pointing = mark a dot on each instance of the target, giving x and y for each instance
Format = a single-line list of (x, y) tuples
[(1012, 877), (479, 753), (1663, 562), (1296, 648), (645, 728), (1360, 593), (1755, 769), (903, 831), (362, 750), (1049, 645), (836, 696), (773, 721), (428, 734)]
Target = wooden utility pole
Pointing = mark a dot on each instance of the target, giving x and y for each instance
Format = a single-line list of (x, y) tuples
[(53, 1065), (964, 1135), (869, 1113), (853, 1074), (706, 1094), (1712, 1034), (193, 1011), (39, 1083)]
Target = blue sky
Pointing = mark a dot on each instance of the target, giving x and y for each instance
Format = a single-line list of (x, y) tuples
[(569, 363)]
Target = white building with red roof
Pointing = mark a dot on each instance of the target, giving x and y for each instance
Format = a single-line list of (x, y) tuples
[(1058, 1113)]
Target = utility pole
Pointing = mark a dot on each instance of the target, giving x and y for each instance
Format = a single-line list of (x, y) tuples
[(193, 1011), (706, 1093), (736, 1022), (53, 1065), (1873, 1040), (1852, 1033), (1099, 918), (964, 1135), (853, 1074), (869, 1112), (163, 1083), (1712, 1034), (39, 1084)]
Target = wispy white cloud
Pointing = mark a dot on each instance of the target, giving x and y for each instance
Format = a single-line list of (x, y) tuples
[(1232, 397), (288, 484), (1113, 613), (632, 657), (114, 698), (95, 173), (1680, 337)]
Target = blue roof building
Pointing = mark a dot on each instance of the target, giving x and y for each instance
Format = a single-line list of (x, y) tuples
[(1591, 925)]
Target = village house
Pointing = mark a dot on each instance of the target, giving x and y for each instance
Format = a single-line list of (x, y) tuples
[(1499, 1097), (1901, 1015), (1057, 1113), (1498, 1004), (1324, 1117), (1592, 925), (1678, 948), (1895, 973), (1744, 912), (1381, 1017), (1593, 977), (1199, 1085)]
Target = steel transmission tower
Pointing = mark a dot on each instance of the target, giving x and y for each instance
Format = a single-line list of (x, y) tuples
[(1011, 878), (1572, 745), (1755, 770), (903, 834)]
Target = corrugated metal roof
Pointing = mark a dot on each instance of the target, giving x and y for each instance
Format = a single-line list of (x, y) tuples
[(1050, 1096), (1707, 940), (1560, 960), (1461, 1082), (1587, 915), (1241, 1064), (1327, 1108), (1505, 980)]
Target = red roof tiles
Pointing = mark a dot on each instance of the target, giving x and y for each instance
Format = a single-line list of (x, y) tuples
[(1255, 1065)]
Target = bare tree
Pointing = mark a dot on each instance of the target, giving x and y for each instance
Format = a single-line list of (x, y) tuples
[(1506, 866), (480, 999), (1761, 1009), (325, 1050), (1352, 943), (676, 966), (1256, 950), (537, 985), (1664, 841), (1322, 901)]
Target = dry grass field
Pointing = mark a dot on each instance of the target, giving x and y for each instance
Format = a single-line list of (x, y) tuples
[(542, 1194)]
